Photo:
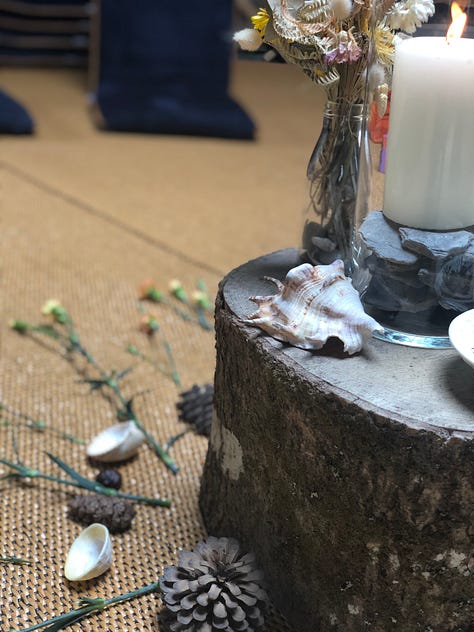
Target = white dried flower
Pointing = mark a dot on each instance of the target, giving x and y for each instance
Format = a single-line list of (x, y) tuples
[(381, 99), (341, 9), (248, 39), (409, 15), (376, 76)]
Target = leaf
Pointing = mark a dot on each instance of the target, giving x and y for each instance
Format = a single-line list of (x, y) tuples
[(129, 409), (94, 384), (123, 373), (74, 617), (93, 486), (48, 331), (72, 473), (21, 469)]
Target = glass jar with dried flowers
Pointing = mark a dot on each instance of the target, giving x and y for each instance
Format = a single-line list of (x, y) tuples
[(346, 47)]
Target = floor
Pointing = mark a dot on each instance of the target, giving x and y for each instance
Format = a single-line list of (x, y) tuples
[(86, 216), (216, 202)]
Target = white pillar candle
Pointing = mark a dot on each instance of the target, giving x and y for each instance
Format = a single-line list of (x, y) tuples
[(429, 178)]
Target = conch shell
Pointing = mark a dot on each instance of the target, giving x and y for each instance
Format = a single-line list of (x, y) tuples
[(90, 554), (313, 304), (116, 443)]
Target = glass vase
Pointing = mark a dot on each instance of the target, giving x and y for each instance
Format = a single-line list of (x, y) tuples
[(334, 175)]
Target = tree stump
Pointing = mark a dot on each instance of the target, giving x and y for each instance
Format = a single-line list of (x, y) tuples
[(350, 477)]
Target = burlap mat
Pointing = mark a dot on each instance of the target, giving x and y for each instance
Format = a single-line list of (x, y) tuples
[(52, 249), (57, 243)]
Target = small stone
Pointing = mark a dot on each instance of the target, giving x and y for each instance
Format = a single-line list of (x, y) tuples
[(454, 284), (435, 245), (392, 295), (387, 269), (384, 240), (109, 478), (324, 244), (320, 248)]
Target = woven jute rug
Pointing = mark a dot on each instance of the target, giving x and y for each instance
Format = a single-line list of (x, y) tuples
[(85, 217), (53, 248)]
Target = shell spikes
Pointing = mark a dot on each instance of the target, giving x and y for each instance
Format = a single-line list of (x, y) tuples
[(313, 304)]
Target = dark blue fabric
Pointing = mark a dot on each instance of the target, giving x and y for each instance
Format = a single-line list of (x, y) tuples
[(44, 33), (164, 68), (14, 119)]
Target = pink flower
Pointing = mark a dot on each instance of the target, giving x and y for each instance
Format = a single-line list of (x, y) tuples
[(346, 51)]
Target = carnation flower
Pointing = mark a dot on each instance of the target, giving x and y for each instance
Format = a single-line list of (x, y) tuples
[(346, 49), (147, 290), (53, 308), (409, 15), (148, 325)]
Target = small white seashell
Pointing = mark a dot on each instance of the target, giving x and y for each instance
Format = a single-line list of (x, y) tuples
[(116, 443), (90, 554), (313, 304)]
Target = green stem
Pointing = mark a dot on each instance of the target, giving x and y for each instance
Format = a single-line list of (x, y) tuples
[(113, 385), (174, 370), (11, 559), (164, 456), (205, 324), (197, 309), (181, 312), (172, 440), (39, 425), (160, 367), (24, 472), (91, 605), (74, 344)]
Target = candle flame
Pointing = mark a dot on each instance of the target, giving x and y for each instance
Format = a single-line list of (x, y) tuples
[(458, 23)]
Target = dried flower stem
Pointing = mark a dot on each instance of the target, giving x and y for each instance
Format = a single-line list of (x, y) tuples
[(39, 425), (178, 291), (188, 317), (73, 344), (172, 440), (174, 371), (156, 329), (11, 559), (112, 383), (21, 471), (87, 607), (135, 351)]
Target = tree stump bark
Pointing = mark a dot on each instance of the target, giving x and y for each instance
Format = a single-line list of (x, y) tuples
[(350, 477)]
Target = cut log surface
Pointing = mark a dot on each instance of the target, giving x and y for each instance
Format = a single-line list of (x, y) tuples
[(350, 477)]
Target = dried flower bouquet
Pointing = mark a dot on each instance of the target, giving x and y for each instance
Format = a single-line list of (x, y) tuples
[(347, 48), (329, 39)]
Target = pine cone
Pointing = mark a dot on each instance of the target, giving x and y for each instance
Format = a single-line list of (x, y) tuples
[(214, 588), (115, 513), (195, 407)]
